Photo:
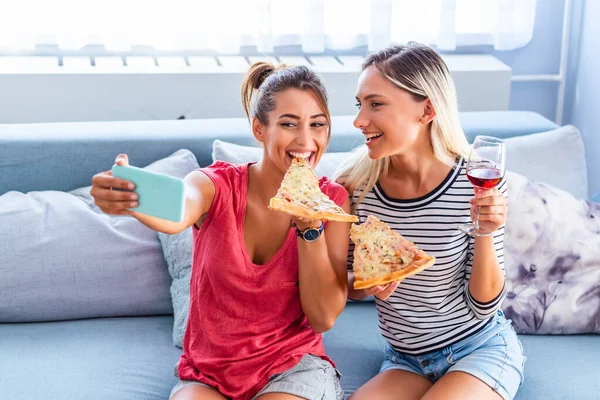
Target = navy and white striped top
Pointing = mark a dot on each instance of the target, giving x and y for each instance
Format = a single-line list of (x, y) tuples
[(433, 309)]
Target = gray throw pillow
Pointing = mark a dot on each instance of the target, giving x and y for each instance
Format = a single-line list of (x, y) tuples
[(178, 254), (552, 260), (62, 258)]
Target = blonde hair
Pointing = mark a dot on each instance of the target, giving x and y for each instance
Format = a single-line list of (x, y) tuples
[(420, 71), (264, 80)]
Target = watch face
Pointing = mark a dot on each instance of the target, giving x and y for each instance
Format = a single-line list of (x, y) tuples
[(311, 235)]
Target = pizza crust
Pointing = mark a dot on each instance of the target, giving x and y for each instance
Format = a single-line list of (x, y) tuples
[(283, 205), (415, 267)]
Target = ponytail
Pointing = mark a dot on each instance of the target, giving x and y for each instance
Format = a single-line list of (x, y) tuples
[(255, 77)]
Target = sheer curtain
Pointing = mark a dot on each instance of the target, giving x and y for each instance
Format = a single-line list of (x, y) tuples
[(226, 25)]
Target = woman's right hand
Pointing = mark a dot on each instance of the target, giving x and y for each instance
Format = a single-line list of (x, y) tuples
[(382, 292), (114, 202)]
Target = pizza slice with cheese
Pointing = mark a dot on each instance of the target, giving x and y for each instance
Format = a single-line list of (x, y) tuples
[(301, 196), (382, 256)]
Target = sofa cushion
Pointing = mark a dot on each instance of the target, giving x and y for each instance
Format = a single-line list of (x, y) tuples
[(504, 124), (355, 344), (557, 367), (552, 260), (62, 258), (133, 358), (110, 359)]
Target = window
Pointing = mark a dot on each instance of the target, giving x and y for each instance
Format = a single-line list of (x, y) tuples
[(226, 25)]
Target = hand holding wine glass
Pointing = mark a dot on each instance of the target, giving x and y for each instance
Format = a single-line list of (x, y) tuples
[(486, 167)]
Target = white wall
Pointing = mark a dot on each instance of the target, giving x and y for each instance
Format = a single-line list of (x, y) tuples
[(585, 112)]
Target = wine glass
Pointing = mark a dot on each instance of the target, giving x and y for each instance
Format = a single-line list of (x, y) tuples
[(485, 169)]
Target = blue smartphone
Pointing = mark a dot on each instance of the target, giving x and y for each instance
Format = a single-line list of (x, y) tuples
[(160, 195)]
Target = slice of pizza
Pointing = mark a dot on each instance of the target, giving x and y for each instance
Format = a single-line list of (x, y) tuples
[(301, 196), (382, 256)]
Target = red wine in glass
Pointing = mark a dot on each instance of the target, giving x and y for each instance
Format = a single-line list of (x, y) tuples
[(485, 177), (485, 170)]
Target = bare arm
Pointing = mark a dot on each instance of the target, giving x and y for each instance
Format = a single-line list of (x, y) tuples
[(486, 280), (487, 277), (199, 194), (322, 274)]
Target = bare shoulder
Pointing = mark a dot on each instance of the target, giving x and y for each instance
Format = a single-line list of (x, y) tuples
[(201, 182), (200, 194), (342, 180)]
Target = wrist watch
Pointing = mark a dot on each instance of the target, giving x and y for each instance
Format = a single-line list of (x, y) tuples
[(310, 234)]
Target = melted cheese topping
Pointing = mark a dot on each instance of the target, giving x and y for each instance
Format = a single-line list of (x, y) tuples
[(379, 250), (300, 186)]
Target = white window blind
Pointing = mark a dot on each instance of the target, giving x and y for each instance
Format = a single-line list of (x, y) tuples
[(226, 25)]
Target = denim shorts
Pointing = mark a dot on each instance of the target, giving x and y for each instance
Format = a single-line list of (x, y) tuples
[(312, 378), (494, 355)]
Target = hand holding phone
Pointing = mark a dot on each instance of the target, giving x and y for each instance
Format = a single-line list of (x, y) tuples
[(158, 195)]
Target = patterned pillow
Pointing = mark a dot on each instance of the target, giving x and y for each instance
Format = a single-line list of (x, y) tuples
[(552, 257), (177, 249)]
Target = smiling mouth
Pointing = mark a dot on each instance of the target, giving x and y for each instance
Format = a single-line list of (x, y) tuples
[(307, 156), (372, 136)]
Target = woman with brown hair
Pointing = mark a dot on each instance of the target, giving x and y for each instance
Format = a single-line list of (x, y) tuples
[(260, 293)]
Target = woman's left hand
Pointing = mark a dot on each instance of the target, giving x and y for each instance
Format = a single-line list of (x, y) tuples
[(304, 223), (490, 205)]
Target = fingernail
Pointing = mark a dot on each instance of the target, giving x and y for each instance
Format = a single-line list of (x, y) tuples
[(131, 186), (134, 197), (133, 204)]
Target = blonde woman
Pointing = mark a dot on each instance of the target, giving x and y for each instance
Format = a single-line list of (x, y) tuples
[(446, 335)]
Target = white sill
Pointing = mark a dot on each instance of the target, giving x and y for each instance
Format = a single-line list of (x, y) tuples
[(197, 64), (38, 89)]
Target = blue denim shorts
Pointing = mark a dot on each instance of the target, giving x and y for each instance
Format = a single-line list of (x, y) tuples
[(312, 378), (494, 355)]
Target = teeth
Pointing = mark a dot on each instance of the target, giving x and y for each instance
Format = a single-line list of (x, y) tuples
[(300, 155), (373, 135)]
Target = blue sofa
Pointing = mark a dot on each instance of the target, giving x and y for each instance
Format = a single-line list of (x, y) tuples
[(132, 357)]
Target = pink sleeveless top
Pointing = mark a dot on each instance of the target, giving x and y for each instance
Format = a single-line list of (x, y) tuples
[(245, 320)]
